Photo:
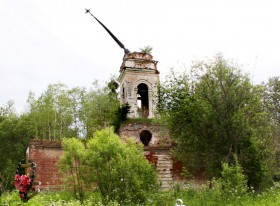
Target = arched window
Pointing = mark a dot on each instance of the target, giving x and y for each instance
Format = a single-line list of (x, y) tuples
[(143, 99), (145, 137), (123, 94)]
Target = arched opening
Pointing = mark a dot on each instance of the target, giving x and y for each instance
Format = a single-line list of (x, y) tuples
[(145, 137), (139, 107), (143, 99), (123, 94)]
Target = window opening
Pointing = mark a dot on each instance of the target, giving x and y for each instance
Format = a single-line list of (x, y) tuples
[(143, 100), (123, 94), (139, 108), (145, 137)]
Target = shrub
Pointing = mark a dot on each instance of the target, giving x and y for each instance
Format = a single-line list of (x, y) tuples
[(232, 183), (233, 179), (120, 115), (72, 165), (121, 171)]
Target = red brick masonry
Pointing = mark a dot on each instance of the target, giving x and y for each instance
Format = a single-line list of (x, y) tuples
[(46, 154)]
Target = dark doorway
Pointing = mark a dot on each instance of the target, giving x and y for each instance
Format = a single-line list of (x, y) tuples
[(143, 99), (145, 137)]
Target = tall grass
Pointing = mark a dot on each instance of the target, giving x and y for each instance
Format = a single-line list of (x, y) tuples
[(191, 197)]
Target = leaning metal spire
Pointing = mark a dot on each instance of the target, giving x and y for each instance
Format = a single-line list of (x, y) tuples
[(126, 51)]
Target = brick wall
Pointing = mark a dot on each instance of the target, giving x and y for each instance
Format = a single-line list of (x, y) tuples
[(160, 135), (46, 154), (157, 151)]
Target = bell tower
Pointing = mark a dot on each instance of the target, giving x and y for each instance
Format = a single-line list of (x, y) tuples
[(139, 80), (138, 84)]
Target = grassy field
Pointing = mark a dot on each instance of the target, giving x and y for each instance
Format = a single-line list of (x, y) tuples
[(198, 197)]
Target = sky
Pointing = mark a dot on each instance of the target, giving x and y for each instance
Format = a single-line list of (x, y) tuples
[(45, 42)]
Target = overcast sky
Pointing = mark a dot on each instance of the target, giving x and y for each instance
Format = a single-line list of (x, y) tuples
[(44, 42)]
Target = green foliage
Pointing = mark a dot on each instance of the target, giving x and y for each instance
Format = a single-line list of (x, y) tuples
[(122, 173), (233, 178), (14, 137), (271, 101), (99, 106), (72, 164), (8, 109), (118, 169), (172, 92), (61, 112), (232, 182), (147, 49), (195, 197), (58, 198), (58, 112), (213, 115), (113, 86), (120, 116), (51, 113)]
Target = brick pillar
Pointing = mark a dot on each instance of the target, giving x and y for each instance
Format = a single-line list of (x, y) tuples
[(46, 155)]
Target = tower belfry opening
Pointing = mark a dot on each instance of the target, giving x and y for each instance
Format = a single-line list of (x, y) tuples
[(138, 79), (143, 98)]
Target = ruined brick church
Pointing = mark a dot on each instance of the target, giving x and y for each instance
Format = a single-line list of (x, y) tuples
[(138, 80)]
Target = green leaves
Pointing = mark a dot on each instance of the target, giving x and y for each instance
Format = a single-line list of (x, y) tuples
[(214, 115), (122, 173), (51, 114), (72, 164), (146, 49), (61, 112), (119, 169), (271, 101), (14, 137)]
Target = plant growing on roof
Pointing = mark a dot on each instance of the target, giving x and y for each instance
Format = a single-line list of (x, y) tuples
[(146, 49)]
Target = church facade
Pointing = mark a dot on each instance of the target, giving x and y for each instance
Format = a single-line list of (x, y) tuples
[(138, 81)]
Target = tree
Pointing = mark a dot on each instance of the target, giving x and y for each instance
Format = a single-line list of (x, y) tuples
[(8, 109), (72, 164), (77, 96), (121, 171), (271, 101), (51, 113), (61, 112), (216, 115), (99, 106), (120, 115), (14, 137)]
